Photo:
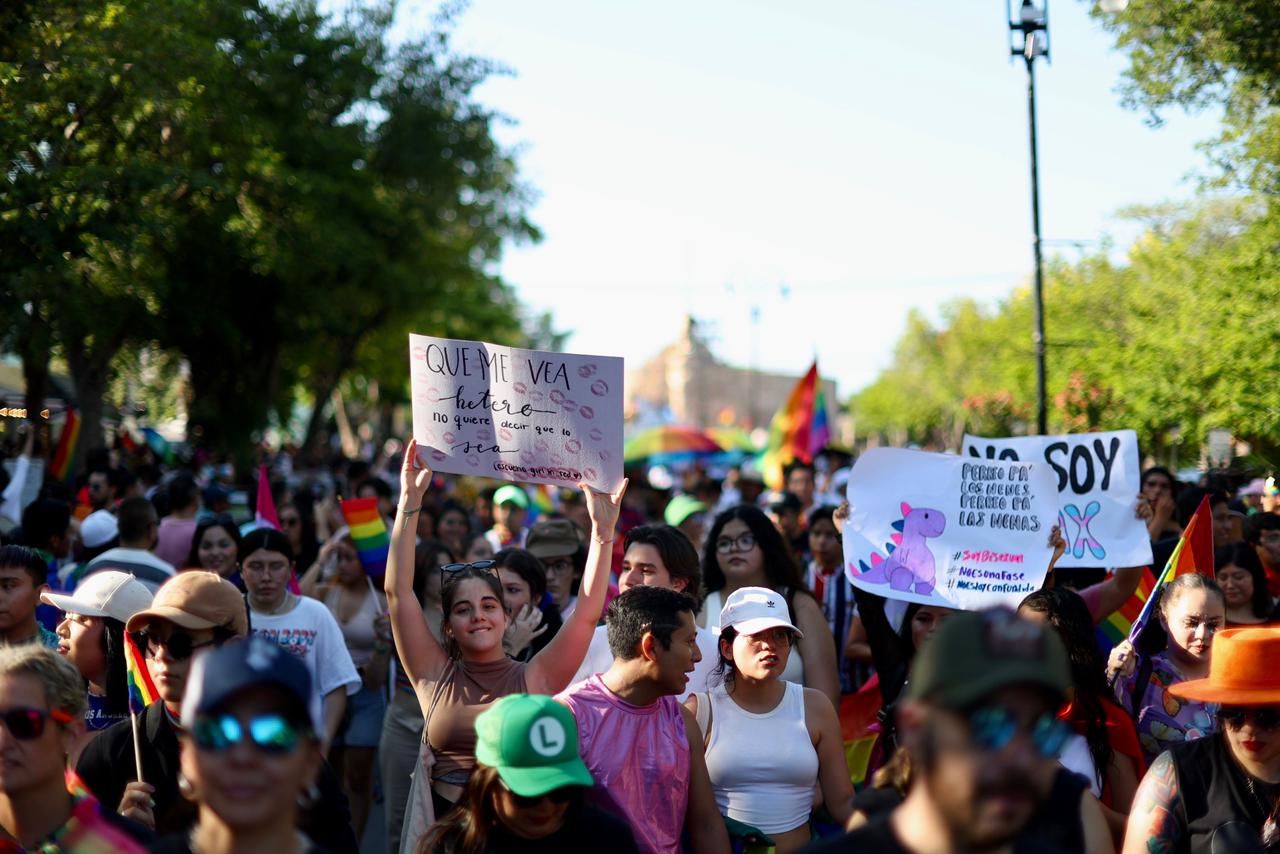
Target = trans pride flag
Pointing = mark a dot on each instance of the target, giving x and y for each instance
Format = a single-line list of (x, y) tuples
[(369, 533)]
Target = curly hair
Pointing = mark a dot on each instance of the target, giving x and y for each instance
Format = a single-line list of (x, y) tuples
[(1067, 612)]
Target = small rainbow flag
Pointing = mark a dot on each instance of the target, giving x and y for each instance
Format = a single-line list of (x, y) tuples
[(1115, 627), (791, 432), (65, 453), (369, 533), (142, 691)]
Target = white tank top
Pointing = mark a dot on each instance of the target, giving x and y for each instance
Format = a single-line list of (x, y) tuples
[(763, 767), (793, 672)]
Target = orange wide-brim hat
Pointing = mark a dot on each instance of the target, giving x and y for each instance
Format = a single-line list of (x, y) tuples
[(1244, 670)]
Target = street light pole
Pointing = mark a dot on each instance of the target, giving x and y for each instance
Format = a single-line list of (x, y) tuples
[(1033, 23)]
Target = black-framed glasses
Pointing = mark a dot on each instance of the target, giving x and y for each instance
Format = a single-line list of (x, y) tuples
[(25, 724), (449, 571), (1263, 717), (741, 543), (270, 733), (180, 645), (562, 795), (559, 565)]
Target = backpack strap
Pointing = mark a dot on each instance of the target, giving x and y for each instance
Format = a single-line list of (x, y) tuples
[(704, 716)]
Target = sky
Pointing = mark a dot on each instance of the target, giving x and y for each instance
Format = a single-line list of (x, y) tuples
[(829, 164)]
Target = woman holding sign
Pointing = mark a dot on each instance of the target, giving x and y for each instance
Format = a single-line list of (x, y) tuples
[(458, 680), (744, 549)]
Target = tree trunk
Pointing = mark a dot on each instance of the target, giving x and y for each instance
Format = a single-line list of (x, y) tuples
[(321, 392), (34, 349), (91, 371)]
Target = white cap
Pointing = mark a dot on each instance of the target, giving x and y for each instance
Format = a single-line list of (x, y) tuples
[(751, 610), (108, 593), (98, 528)]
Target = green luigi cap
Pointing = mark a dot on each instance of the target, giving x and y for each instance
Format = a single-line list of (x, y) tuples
[(511, 494), (680, 508), (533, 742), (976, 653)]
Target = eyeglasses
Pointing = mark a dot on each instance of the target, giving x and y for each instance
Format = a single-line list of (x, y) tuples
[(743, 543), (449, 571), (25, 724), (271, 734), (562, 795), (1263, 717), (993, 727), (181, 646), (559, 566)]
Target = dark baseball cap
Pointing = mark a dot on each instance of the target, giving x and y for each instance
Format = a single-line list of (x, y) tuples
[(976, 653), (220, 674), (553, 538)]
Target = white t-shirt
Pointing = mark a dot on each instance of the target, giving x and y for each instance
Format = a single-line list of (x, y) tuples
[(310, 632), (599, 659)]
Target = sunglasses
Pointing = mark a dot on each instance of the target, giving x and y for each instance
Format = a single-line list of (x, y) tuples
[(449, 572), (744, 543), (271, 734), (180, 645), (562, 795), (25, 724), (1263, 717), (993, 727)]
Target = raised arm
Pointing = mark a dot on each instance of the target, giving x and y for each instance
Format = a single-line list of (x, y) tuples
[(421, 655), (551, 669)]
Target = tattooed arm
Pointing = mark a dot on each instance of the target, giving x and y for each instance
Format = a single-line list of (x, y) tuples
[(1156, 823)]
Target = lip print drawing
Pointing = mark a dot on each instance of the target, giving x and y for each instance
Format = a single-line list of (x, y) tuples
[(484, 434), (586, 412), (568, 405), (519, 388), (586, 371), (504, 434), (527, 459), (557, 396), (596, 434), (541, 446), (599, 388), (589, 474), (572, 446), (448, 438), (557, 460), (438, 455), (604, 456), (536, 396)]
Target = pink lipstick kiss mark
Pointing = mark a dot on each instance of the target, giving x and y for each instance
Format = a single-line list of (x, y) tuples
[(557, 460), (504, 434), (541, 446), (586, 412), (568, 405), (599, 388), (605, 456), (473, 461), (536, 396), (557, 396), (586, 371), (572, 446), (589, 474), (484, 435), (527, 458), (448, 438), (520, 388), (438, 455), (595, 435), (419, 353)]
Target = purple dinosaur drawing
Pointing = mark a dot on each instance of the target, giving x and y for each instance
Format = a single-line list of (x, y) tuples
[(911, 563)]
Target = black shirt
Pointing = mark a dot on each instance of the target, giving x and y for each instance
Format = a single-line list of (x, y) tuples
[(878, 837), (586, 830), (107, 765), (1219, 801)]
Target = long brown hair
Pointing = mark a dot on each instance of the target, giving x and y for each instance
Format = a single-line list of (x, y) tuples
[(448, 596), (465, 828)]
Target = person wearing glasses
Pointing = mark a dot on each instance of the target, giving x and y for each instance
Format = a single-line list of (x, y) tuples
[(42, 709), (1220, 792), (91, 637), (979, 723), (300, 624), (526, 794), (555, 543), (744, 549), (191, 612), (458, 679), (215, 546), (250, 752), (768, 742)]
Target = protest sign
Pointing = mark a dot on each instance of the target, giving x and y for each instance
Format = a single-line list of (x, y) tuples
[(1097, 479), (946, 530), (525, 415)]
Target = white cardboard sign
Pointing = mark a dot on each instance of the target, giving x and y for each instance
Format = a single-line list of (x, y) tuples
[(513, 414), (946, 530), (1097, 481)]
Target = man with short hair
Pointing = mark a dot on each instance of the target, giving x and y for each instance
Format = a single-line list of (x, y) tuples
[(194, 610), (800, 479), (643, 748), (1262, 531), (657, 556), (42, 707), (100, 496), (979, 722), (23, 575), (558, 546), (173, 538), (510, 506), (138, 530)]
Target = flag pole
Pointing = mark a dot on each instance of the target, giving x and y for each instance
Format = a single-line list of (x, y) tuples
[(137, 747)]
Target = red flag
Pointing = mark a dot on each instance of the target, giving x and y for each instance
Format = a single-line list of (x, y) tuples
[(266, 516), (1198, 555)]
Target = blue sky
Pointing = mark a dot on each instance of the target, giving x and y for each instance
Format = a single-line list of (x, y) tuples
[(832, 164)]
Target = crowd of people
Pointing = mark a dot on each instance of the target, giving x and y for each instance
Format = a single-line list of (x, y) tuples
[(650, 670)]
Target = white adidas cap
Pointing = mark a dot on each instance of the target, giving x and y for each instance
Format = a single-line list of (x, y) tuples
[(754, 609), (109, 593)]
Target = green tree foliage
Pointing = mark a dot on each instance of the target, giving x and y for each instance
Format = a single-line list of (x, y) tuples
[(1182, 339), (277, 195)]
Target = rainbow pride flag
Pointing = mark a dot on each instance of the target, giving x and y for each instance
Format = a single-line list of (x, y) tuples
[(142, 691), (791, 430), (1117, 625), (369, 533), (65, 453)]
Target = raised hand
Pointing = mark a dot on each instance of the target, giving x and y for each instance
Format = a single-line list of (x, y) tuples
[(1122, 660), (523, 628), (415, 475), (841, 515), (604, 509)]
